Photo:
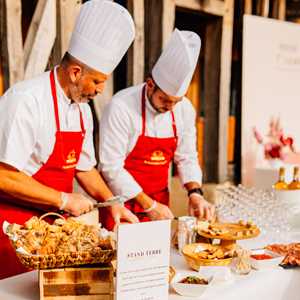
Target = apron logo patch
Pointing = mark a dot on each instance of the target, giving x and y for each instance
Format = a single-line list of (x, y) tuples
[(156, 158), (71, 160)]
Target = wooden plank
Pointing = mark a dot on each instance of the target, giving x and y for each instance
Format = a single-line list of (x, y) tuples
[(168, 20), (275, 9), (13, 42), (153, 38), (265, 8), (1, 79), (43, 42), (33, 28), (248, 7), (84, 297), (77, 283), (214, 7), (212, 50), (67, 14), (136, 53), (282, 10), (225, 78)]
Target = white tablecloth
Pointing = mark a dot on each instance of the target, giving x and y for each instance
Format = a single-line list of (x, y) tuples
[(269, 284)]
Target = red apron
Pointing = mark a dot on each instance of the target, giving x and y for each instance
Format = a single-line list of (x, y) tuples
[(148, 163), (58, 173)]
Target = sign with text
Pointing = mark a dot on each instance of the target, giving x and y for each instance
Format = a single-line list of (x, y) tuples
[(143, 257)]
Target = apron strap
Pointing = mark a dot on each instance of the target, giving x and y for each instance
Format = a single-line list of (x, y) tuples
[(144, 115), (54, 97), (81, 121), (174, 124), (144, 110)]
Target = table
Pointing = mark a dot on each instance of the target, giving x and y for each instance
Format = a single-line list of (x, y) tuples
[(275, 284)]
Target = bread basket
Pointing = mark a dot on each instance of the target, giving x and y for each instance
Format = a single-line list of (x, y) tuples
[(36, 261)]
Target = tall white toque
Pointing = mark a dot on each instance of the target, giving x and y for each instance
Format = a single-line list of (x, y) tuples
[(102, 34), (175, 67)]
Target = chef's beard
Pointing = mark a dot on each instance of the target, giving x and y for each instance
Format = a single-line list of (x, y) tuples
[(160, 110)]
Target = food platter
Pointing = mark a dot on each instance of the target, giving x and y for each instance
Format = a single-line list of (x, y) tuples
[(204, 254), (228, 231)]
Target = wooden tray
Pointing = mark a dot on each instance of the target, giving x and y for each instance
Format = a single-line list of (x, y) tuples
[(236, 232), (195, 262)]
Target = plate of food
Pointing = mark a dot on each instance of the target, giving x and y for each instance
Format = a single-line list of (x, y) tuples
[(228, 231), (204, 254), (190, 284), (289, 252), (263, 258)]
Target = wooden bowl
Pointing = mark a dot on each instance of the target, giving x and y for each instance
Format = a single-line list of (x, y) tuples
[(195, 262)]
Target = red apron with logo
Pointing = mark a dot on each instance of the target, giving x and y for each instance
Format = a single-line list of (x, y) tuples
[(148, 163), (58, 173)]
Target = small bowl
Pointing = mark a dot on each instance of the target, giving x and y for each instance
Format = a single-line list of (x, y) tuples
[(259, 264), (187, 289)]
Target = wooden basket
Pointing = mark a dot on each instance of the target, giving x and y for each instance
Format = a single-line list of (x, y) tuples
[(195, 263), (50, 261)]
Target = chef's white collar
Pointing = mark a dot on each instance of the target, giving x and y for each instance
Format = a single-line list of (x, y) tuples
[(60, 91), (150, 107)]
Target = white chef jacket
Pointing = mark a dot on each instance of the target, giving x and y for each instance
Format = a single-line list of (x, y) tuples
[(120, 127), (27, 125)]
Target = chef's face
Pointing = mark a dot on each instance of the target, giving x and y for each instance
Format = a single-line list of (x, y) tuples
[(160, 101), (85, 84)]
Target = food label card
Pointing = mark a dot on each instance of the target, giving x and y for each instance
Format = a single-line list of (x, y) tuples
[(143, 261)]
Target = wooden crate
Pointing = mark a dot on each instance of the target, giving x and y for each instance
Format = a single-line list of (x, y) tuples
[(81, 283)]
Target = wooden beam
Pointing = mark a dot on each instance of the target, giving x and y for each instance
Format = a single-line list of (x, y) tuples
[(168, 20), (68, 11), (33, 28), (43, 41), (282, 10), (153, 38), (136, 53), (3, 46), (248, 7), (213, 7), (265, 8), (225, 79), (212, 50), (275, 9), (14, 61)]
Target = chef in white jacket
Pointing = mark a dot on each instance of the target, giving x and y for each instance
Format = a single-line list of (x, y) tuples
[(46, 128), (147, 126)]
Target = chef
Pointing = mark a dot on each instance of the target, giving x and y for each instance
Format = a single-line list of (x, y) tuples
[(147, 126), (46, 128)]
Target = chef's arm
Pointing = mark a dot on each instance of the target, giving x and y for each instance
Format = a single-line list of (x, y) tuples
[(154, 210), (93, 184), (26, 189), (29, 192)]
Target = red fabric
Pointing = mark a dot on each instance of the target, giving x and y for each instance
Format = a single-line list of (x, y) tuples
[(58, 173), (148, 163)]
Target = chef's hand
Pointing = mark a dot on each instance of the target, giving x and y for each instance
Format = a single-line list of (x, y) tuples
[(76, 204), (121, 213), (160, 212), (200, 208)]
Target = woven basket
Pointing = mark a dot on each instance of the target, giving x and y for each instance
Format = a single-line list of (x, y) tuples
[(96, 256), (195, 263)]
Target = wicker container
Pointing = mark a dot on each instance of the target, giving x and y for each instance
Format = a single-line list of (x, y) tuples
[(195, 263), (96, 256)]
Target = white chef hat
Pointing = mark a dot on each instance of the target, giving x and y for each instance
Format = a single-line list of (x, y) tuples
[(102, 34), (175, 67)]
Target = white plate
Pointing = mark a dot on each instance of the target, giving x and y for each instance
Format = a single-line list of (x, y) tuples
[(265, 263), (189, 290)]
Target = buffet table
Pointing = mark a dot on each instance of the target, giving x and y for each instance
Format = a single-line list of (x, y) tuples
[(275, 283)]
